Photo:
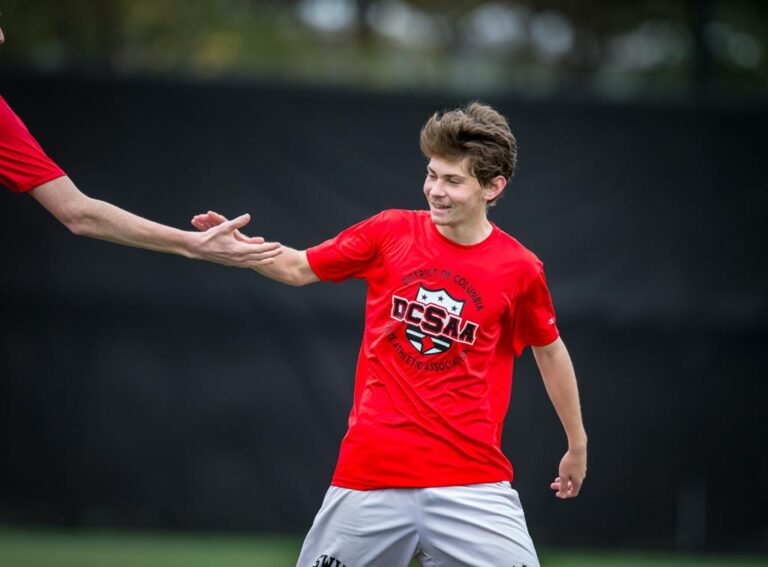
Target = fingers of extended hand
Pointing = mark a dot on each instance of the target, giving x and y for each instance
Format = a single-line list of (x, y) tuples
[(211, 219), (198, 223), (261, 254), (267, 250), (215, 217), (203, 223)]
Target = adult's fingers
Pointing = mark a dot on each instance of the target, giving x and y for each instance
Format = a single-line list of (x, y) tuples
[(208, 220), (215, 217), (199, 223)]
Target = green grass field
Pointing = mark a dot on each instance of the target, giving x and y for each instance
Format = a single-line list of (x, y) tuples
[(125, 549)]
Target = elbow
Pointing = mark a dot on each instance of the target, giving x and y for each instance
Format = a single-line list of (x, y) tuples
[(297, 280), (300, 275), (75, 219), (550, 353), (67, 204), (81, 224), (78, 216), (287, 277), (546, 350), (78, 227)]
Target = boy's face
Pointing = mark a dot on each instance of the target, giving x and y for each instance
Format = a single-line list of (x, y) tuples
[(455, 196)]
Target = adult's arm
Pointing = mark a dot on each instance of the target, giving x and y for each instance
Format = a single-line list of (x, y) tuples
[(290, 267), (98, 219), (559, 378)]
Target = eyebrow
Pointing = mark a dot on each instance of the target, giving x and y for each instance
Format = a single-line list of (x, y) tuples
[(455, 176)]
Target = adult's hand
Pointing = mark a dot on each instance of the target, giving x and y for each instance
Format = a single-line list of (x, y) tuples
[(221, 241), (211, 219)]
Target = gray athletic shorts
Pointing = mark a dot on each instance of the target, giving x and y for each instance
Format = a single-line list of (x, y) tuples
[(478, 525)]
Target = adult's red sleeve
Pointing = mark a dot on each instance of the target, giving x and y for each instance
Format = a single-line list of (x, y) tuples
[(350, 254), (23, 163), (534, 316)]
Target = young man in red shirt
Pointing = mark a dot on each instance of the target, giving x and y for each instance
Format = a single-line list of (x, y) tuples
[(24, 167), (452, 301)]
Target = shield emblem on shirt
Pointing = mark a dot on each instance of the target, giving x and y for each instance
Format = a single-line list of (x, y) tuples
[(427, 343)]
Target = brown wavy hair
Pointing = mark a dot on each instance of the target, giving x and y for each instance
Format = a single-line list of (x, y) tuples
[(476, 132)]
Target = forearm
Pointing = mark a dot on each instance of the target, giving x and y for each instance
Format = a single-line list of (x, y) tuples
[(105, 221), (98, 219), (559, 379), (291, 268)]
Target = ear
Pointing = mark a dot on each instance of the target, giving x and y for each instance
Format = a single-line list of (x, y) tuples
[(494, 189)]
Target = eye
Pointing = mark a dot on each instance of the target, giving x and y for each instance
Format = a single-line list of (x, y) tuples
[(431, 175)]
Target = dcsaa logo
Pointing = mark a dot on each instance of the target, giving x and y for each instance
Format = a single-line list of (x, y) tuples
[(433, 320)]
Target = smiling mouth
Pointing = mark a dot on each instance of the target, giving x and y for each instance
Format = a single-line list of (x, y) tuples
[(440, 207)]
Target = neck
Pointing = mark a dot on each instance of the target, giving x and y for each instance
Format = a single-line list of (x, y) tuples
[(467, 235)]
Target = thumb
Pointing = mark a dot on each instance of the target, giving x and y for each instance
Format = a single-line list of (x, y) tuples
[(234, 224)]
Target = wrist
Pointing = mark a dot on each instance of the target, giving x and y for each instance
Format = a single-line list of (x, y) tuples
[(578, 443), (190, 244)]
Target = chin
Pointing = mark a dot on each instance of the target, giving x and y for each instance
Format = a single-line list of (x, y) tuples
[(441, 221), (438, 219)]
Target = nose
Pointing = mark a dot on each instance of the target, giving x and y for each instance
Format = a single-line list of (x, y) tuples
[(437, 189)]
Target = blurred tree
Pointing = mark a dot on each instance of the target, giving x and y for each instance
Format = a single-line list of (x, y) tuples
[(671, 46)]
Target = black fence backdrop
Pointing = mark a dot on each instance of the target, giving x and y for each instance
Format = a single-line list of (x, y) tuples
[(150, 391)]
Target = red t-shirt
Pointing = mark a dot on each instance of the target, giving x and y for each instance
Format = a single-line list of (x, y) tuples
[(443, 324), (23, 163)]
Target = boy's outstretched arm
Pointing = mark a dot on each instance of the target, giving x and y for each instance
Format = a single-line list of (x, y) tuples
[(289, 267)]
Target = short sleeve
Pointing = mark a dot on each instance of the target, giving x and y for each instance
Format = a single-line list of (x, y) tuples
[(350, 254), (23, 163), (534, 321)]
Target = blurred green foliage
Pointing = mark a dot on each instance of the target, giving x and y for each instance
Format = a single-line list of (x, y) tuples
[(556, 46)]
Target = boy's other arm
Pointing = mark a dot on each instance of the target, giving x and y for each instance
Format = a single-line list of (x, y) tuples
[(559, 378)]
